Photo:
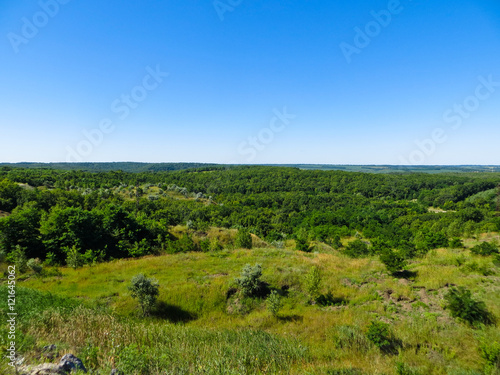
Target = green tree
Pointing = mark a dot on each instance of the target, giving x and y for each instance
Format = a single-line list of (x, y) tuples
[(243, 239), (74, 258), (249, 281), (273, 303), (145, 290), (462, 306), (357, 249), (394, 261), (313, 283)]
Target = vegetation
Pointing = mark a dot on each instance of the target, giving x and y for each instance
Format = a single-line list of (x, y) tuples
[(318, 300), (145, 290), (464, 307)]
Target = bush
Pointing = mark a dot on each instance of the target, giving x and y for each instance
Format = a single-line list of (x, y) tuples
[(19, 258), (243, 239), (249, 281), (313, 282), (394, 261), (274, 303), (145, 290), (302, 244), (35, 265), (463, 307), (73, 258), (485, 249), (456, 243), (378, 334), (490, 352), (336, 242), (357, 249)]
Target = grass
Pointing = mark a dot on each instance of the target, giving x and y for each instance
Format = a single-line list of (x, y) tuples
[(191, 331)]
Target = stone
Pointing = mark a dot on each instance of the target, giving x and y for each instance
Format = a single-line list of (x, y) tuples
[(69, 363)]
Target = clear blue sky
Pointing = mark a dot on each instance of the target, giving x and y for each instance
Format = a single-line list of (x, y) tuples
[(65, 67)]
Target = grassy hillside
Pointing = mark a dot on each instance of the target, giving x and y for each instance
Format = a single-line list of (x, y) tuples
[(196, 329)]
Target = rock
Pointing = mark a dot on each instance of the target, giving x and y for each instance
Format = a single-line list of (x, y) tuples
[(45, 369), (69, 363)]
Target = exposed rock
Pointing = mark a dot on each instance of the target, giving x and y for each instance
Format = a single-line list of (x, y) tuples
[(69, 363)]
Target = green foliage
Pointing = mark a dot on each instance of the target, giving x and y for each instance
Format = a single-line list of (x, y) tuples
[(243, 239), (74, 258), (313, 283), (302, 244), (19, 258), (273, 303), (404, 369), (378, 334), (35, 265), (393, 260), (249, 282), (357, 249), (485, 249), (351, 338), (145, 291), (490, 352), (462, 306), (456, 243), (336, 242)]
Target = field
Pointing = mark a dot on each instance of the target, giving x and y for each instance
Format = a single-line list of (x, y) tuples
[(311, 338)]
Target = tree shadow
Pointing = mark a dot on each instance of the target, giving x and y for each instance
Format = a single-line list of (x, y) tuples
[(405, 274), (171, 313), (291, 318), (394, 346)]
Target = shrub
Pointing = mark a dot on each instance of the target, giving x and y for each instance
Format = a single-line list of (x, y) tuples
[(243, 239), (19, 258), (73, 258), (313, 282), (378, 334), (249, 281), (274, 303), (357, 249), (456, 243), (35, 265), (145, 291), (463, 307), (484, 248), (336, 242), (393, 261), (490, 352), (302, 244)]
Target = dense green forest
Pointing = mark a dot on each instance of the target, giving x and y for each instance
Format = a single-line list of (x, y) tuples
[(115, 214)]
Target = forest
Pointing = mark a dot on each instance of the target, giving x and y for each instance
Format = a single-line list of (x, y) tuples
[(109, 215)]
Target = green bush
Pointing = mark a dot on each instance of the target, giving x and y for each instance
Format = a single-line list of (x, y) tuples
[(313, 282), (357, 249), (249, 281), (18, 256), (274, 303), (145, 290), (456, 243), (378, 334), (73, 258), (463, 307), (302, 244), (484, 248), (35, 265), (243, 239), (490, 352), (393, 261)]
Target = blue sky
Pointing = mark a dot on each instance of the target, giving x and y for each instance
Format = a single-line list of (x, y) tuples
[(250, 81)]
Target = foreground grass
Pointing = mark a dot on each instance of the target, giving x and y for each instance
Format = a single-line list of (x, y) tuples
[(191, 331)]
